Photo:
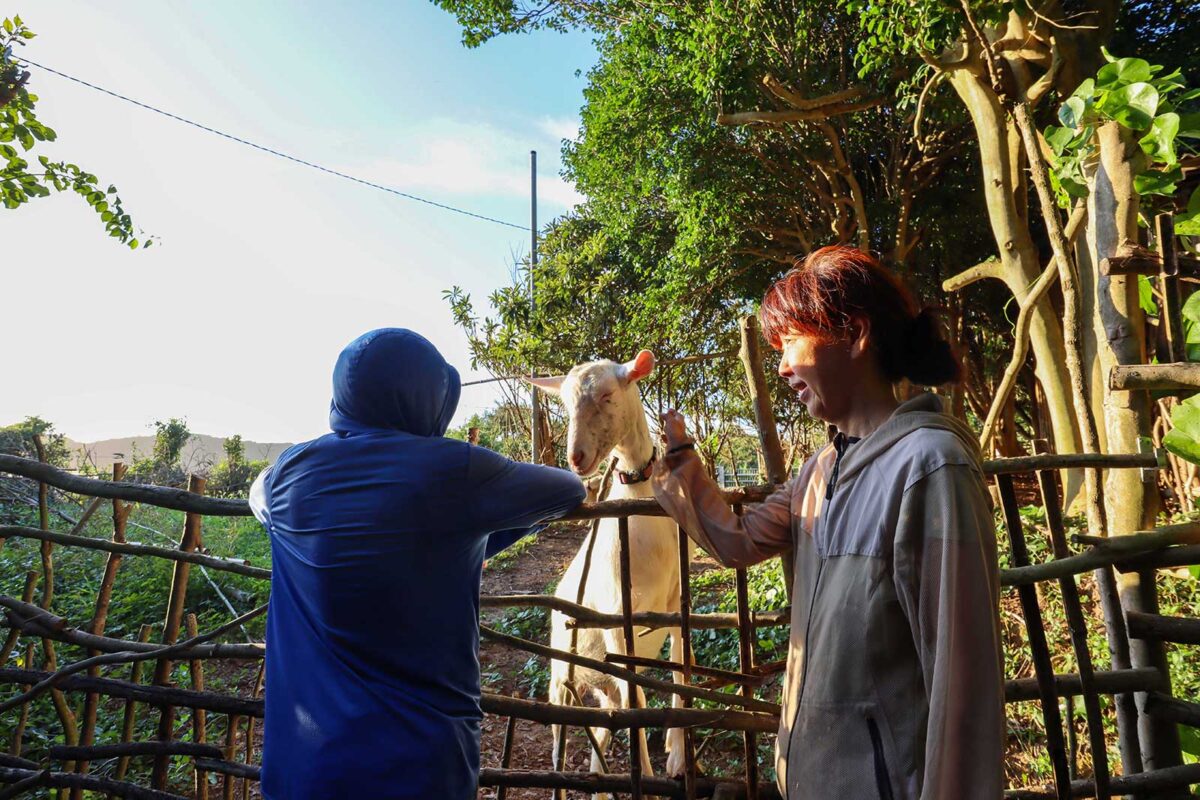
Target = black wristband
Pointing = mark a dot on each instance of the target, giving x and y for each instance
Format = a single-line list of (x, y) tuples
[(679, 448)]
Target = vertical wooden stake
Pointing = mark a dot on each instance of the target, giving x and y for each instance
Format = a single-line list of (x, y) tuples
[(1164, 228), (745, 665), (685, 634), (18, 742), (635, 743), (506, 754), (171, 625), (249, 744), (199, 716), (764, 417), (1077, 624), (130, 719), (49, 660), (229, 782), (91, 701), (1043, 669)]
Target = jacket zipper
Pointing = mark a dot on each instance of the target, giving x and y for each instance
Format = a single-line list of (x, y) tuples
[(882, 779)]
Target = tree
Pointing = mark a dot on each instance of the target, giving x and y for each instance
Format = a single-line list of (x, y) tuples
[(719, 142), (17, 440), (19, 123), (233, 476)]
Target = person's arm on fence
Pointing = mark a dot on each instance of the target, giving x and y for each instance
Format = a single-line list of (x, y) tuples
[(947, 579), (511, 498), (693, 499)]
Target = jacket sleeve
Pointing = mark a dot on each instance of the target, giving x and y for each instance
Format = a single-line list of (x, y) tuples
[(512, 497), (947, 579), (502, 540), (259, 501), (694, 500)]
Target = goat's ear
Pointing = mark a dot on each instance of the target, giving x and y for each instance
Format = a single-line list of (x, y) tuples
[(548, 385), (641, 366)]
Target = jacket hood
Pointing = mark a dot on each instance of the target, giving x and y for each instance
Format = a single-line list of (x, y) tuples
[(923, 411), (393, 379)]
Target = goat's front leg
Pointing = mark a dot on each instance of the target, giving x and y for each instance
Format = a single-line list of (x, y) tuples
[(675, 739)]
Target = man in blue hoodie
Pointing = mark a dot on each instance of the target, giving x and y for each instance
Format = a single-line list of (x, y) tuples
[(378, 533)]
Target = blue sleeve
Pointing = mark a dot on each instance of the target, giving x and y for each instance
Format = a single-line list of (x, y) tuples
[(508, 495), (502, 540)]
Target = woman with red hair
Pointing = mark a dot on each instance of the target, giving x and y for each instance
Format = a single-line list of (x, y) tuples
[(894, 682)]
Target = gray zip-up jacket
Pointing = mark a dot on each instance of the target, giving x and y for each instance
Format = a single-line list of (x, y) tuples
[(894, 683)]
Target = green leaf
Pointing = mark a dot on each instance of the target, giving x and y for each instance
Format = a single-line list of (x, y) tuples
[(1184, 438), (1133, 106), (1058, 138), (1188, 223), (8, 25), (1159, 142), (1109, 57), (1190, 94), (1071, 112), (1122, 73), (1158, 182), (1146, 296)]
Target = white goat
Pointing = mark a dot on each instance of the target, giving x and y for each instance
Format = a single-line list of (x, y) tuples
[(605, 413)]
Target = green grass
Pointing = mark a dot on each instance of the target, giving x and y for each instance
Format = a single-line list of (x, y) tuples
[(139, 597)]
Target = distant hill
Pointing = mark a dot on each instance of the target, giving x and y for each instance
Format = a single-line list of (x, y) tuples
[(200, 452)]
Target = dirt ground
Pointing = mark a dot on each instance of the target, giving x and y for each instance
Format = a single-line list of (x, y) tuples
[(531, 572)]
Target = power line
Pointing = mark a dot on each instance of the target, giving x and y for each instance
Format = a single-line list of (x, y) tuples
[(265, 149)]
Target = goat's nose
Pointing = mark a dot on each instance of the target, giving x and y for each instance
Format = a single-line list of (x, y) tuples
[(577, 458)]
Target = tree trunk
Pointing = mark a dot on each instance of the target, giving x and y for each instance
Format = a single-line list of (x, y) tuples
[(1120, 325), (999, 148)]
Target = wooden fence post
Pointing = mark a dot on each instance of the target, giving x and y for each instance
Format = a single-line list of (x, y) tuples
[(768, 436), (129, 722), (49, 660), (1077, 624), (635, 743), (171, 626), (91, 701), (199, 716), (685, 635), (1044, 670), (746, 665)]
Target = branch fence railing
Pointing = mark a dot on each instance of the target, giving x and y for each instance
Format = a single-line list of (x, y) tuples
[(67, 766)]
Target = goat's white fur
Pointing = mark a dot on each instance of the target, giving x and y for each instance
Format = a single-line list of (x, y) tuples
[(605, 414)]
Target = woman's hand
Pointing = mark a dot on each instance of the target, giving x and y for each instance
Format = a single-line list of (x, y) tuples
[(674, 429)]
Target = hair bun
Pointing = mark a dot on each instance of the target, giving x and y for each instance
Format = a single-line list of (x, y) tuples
[(929, 359)]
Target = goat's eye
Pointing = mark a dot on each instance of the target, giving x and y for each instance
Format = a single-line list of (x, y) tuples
[(606, 397)]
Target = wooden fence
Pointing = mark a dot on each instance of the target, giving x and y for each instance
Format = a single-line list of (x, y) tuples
[(31, 624)]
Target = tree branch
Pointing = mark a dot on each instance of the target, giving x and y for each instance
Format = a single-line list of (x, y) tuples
[(1021, 332), (801, 103), (992, 268), (809, 115)]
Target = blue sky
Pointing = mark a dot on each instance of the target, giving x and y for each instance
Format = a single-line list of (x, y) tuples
[(265, 269)]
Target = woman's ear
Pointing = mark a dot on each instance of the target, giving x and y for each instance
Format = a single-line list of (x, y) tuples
[(860, 335)]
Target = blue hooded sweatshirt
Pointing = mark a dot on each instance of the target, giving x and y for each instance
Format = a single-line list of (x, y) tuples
[(378, 533)]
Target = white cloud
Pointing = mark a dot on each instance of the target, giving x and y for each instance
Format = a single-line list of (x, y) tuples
[(560, 127), (452, 158)]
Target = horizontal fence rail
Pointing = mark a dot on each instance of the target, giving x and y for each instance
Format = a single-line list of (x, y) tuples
[(183, 500)]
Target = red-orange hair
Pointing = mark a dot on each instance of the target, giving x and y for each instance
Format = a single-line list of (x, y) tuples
[(821, 294)]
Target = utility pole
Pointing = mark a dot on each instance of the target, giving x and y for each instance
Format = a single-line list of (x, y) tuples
[(535, 427)]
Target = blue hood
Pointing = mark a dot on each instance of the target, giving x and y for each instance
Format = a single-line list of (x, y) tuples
[(394, 379)]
